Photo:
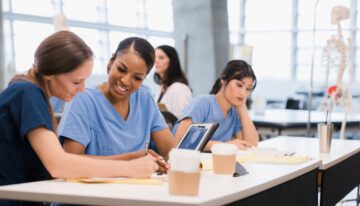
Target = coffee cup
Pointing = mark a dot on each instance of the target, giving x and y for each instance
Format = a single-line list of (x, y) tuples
[(184, 173), (224, 158)]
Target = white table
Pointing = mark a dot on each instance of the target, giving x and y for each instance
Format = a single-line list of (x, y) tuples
[(339, 169), (264, 183), (293, 122)]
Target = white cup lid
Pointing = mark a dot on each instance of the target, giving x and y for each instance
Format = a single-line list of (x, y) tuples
[(224, 149), (184, 160)]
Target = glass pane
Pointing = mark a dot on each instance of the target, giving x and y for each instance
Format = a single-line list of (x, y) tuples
[(93, 40), (233, 7), (323, 14), (81, 10), (25, 49), (36, 7), (271, 54), (124, 13), (5, 5), (304, 59), (157, 20), (357, 65), (305, 39), (234, 38), (116, 37), (157, 41), (274, 14)]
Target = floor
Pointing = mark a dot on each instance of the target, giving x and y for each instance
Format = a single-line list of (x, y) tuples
[(351, 195)]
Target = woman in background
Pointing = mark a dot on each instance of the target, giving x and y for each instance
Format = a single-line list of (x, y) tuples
[(117, 119), (225, 105), (30, 149), (175, 92)]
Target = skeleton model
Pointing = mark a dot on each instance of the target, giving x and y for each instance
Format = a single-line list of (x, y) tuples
[(337, 54)]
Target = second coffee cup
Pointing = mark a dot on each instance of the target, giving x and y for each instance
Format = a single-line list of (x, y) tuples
[(224, 158)]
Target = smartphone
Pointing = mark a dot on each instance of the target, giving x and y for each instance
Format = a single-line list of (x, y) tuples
[(239, 170)]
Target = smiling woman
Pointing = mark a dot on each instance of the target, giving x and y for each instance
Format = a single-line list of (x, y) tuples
[(116, 119), (30, 149)]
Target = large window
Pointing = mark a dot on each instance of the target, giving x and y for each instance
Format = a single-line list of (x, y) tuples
[(27, 37), (101, 23), (281, 35)]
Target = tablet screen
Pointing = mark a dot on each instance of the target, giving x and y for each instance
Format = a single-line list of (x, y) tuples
[(197, 136), (193, 137)]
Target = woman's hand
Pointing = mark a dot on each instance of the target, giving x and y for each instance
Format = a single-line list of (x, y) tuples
[(143, 167), (241, 144), (163, 166), (242, 106)]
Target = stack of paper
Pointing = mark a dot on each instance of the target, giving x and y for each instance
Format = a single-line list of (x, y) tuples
[(263, 156)]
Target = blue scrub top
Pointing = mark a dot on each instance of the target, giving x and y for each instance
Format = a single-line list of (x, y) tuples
[(23, 107), (91, 120), (206, 109)]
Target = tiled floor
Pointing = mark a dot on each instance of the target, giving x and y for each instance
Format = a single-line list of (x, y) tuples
[(351, 195)]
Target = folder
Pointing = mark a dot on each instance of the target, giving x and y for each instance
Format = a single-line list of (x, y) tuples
[(136, 181)]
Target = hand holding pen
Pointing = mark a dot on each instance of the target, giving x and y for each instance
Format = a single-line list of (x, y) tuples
[(163, 166)]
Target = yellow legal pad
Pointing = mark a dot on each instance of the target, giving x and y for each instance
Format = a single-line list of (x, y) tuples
[(262, 158), (134, 181)]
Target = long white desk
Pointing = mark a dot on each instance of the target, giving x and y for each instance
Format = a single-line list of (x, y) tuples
[(293, 122), (265, 183), (339, 169)]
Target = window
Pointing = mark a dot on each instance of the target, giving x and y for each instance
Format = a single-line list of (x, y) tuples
[(268, 15), (159, 19), (269, 36), (324, 31), (101, 24), (116, 38), (271, 54), (281, 34), (93, 40), (37, 7), (157, 41), (125, 13), (27, 37), (81, 10)]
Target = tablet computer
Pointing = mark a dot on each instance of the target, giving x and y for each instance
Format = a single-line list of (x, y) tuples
[(197, 136)]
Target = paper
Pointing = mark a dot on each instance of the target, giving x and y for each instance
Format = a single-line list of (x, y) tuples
[(270, 158), (137, 181)]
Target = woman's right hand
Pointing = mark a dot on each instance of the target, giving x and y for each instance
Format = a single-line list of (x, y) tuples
[(143, 166), (241, 144)]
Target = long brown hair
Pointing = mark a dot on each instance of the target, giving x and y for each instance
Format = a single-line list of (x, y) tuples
[(59, 53)]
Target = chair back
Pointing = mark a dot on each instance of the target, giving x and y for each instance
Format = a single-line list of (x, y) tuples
[(170, 118)]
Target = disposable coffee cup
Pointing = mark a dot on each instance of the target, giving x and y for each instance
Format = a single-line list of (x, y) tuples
[(184, 173), (325, 135), (259, 105), (224, 158)]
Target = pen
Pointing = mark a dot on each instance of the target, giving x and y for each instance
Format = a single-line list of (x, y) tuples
[(147, 147)]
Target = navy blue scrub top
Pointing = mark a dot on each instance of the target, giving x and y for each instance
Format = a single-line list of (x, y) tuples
[(23, 107)]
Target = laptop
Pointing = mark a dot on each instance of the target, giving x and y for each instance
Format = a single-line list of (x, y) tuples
[(197, 136)]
